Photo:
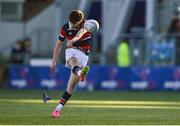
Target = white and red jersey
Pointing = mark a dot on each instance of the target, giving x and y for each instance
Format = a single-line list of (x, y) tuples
[(67, 32)]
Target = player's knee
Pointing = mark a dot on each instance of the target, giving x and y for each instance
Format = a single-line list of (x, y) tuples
[(75, 69), (72, 62)]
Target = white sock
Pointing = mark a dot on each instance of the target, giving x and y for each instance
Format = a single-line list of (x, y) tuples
[(79, 72), (59, 107)]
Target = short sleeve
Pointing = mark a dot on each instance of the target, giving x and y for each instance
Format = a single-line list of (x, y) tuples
[(62, 34)]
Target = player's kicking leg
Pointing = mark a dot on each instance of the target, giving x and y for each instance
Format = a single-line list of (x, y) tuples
[(76, 74), (81, 72)]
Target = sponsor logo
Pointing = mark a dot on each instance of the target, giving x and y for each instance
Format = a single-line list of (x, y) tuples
[(70, 33), (175, 85), (109, 84), (82, 84), (48, 83), (85, 85), (19, 83), (139, 85)]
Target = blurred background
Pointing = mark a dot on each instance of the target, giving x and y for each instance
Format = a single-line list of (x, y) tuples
[(136, 48)]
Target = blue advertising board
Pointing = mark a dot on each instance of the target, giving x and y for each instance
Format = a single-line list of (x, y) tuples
[(99, 78)]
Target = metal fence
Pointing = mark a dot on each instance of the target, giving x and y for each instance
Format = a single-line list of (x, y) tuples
[(157, 50)]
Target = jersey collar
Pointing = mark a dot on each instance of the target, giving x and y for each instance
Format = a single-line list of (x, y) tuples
[(70, 26)]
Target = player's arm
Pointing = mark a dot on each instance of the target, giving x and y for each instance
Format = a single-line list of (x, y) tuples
[(57, 48), (56, 53), (80, 33), (81, 43)]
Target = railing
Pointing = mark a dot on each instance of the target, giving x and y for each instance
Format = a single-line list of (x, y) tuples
[(159, 49), (41, 40)]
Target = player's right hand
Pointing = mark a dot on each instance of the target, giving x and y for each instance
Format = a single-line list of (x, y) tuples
[(69, 44), (53, 66)]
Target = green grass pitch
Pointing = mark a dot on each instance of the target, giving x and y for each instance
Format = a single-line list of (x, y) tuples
[(25, 107)]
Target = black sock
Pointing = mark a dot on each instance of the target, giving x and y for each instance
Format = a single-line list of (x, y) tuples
[(65, 98), (75, 69)]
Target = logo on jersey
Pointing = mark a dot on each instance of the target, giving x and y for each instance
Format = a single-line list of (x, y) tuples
[(70, 33)]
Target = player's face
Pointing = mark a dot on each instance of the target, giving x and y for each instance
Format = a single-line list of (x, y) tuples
[(77, 24)]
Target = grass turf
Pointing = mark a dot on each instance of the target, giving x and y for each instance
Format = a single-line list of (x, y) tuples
[(25, 107)]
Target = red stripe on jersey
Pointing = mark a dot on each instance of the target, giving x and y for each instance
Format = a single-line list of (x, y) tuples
[(70, 37), (85, 36), (62, 33), (86, 47)]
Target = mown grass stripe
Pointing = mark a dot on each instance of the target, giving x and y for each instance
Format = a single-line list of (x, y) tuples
[(123, 106), (94, 102)]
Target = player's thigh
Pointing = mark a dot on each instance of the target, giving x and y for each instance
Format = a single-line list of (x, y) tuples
[(83, 60)]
